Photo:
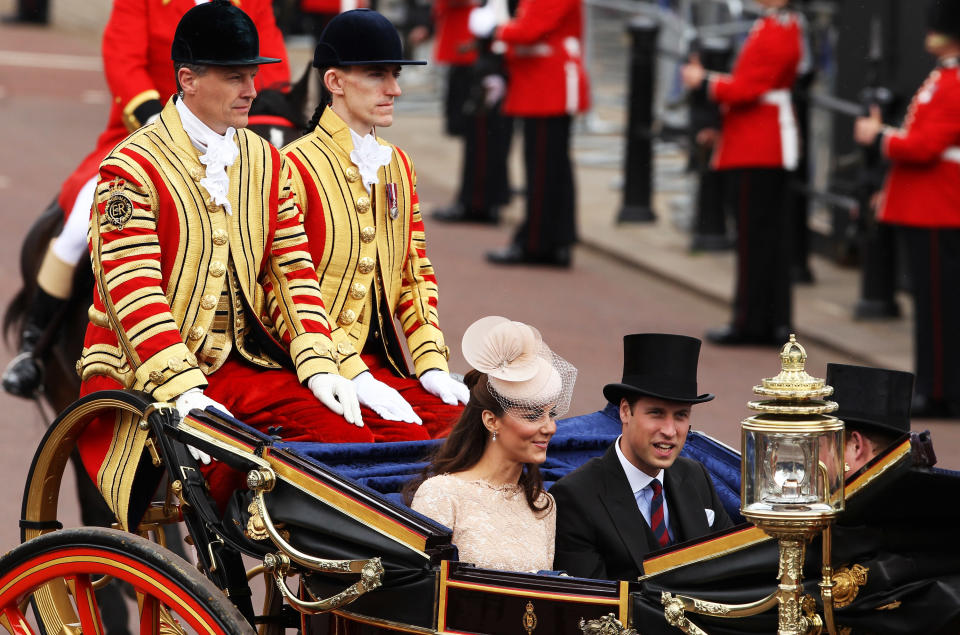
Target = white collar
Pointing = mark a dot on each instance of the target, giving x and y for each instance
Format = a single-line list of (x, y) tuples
[(219, 153), (369, 156), (638, 480)]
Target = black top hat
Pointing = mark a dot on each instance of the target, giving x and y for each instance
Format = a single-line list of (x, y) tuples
[(359, 36), (872, 397), (943, 16), (658, 365), (219, 34)]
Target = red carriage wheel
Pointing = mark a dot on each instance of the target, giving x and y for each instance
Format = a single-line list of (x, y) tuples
[(66, 563)]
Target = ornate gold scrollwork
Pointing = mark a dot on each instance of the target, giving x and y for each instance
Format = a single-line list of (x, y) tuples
[(256, 528), (529, 619), (847, 583), (606, 625)]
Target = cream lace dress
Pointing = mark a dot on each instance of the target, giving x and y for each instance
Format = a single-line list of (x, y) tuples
[(493, 527)]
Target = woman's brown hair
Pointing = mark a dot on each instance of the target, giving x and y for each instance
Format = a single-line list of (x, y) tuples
[(466, 442)]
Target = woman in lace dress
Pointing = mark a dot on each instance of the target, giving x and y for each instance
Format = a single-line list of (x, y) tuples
[(484, 482)]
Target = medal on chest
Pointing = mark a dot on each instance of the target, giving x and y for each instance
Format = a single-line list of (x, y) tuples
[(391, 191)]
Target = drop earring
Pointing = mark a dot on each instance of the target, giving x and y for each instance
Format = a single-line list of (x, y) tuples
[(493, 436)]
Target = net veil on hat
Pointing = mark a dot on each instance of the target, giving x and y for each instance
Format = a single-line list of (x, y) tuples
[(523, 373)]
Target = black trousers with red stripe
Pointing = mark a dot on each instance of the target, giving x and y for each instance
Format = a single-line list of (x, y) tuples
[(484, 180), (459, 79), (933, 264), (550, 222), (762, 295)]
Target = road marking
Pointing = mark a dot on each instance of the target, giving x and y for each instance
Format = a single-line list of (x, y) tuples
[(51, 60)]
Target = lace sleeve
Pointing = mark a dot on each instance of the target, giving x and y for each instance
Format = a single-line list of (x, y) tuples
[(551, 521), (434, 500)]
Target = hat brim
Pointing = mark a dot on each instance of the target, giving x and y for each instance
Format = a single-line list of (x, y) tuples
[(615, 392), (337, 63), (247, 62), (884, 428)]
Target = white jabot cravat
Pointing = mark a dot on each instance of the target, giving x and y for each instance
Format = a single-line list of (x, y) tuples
[(219, 153), (369, 156)]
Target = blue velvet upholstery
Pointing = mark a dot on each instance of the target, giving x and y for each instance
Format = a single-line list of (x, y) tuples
[(386, 467)]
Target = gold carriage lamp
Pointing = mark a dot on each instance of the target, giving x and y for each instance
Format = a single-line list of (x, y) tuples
[(791, 488)]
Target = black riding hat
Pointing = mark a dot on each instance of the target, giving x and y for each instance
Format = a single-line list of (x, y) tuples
[(658, 365), (872, 397), (359, 36), (219, 34), (943, 16)]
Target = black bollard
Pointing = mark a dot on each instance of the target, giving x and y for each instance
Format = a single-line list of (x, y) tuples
[(29, 12), (710, 224), (638, 164)]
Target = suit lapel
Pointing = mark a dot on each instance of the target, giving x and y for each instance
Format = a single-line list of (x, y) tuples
[(686, 519), (620, 503)]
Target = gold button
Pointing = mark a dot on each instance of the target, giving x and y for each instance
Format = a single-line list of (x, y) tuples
[(175, 364), (219, 237), (197, 332), (353, 174), (323, 352), (344, 348), (367, 234), (213, 208), (365, 265), (363, 204), (217, 268), (347, 317), (357, 291), (156, 376), (208, 302), (196, 173)]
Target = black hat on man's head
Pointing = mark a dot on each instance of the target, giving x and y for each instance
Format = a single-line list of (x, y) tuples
[(219, 34), (943, 16), (658, 365), (873, 398), (359, 36)]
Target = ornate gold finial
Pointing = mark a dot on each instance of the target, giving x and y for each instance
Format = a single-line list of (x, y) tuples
[(793, 390), (792, 355)]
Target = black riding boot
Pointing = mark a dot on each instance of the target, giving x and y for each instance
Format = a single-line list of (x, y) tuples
[(24, 373)]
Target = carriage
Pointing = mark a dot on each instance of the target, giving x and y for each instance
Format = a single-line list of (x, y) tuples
[(323, 527)]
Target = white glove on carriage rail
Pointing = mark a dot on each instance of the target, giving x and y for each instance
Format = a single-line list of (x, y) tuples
[(338, 394), (384, 400), (194, 399), (440, 384)]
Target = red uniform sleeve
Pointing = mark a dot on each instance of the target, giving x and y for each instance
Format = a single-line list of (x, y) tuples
[(271, 45), (125, 59), (767, 57), (535, 19), (935, 127)]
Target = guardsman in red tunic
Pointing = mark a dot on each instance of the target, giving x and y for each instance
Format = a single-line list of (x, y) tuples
[(759, 146), (205, 292), (362, 216), (546, 86), (139, 73), (921, 198), (473, 110)]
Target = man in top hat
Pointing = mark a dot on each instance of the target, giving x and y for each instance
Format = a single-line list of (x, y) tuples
[(205, 293), (362, 216), (875, 409), (921, 197), (640, 496)]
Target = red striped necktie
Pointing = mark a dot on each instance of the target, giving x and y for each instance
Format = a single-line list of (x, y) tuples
[(656, 514)]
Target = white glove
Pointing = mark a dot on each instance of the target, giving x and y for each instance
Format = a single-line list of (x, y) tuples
[(194, 399), (384, 400), (494, 88), (338, 394), (440, 384), (483, 21)]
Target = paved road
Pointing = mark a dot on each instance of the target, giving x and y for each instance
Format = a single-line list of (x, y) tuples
[(51, 109)]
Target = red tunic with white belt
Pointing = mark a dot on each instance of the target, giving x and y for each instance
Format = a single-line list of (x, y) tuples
[(544, 61), (455, 44), (759, 126), (138, 69), (923, 185)]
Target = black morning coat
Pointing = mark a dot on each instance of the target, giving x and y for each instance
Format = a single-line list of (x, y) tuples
[(600, 530)]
